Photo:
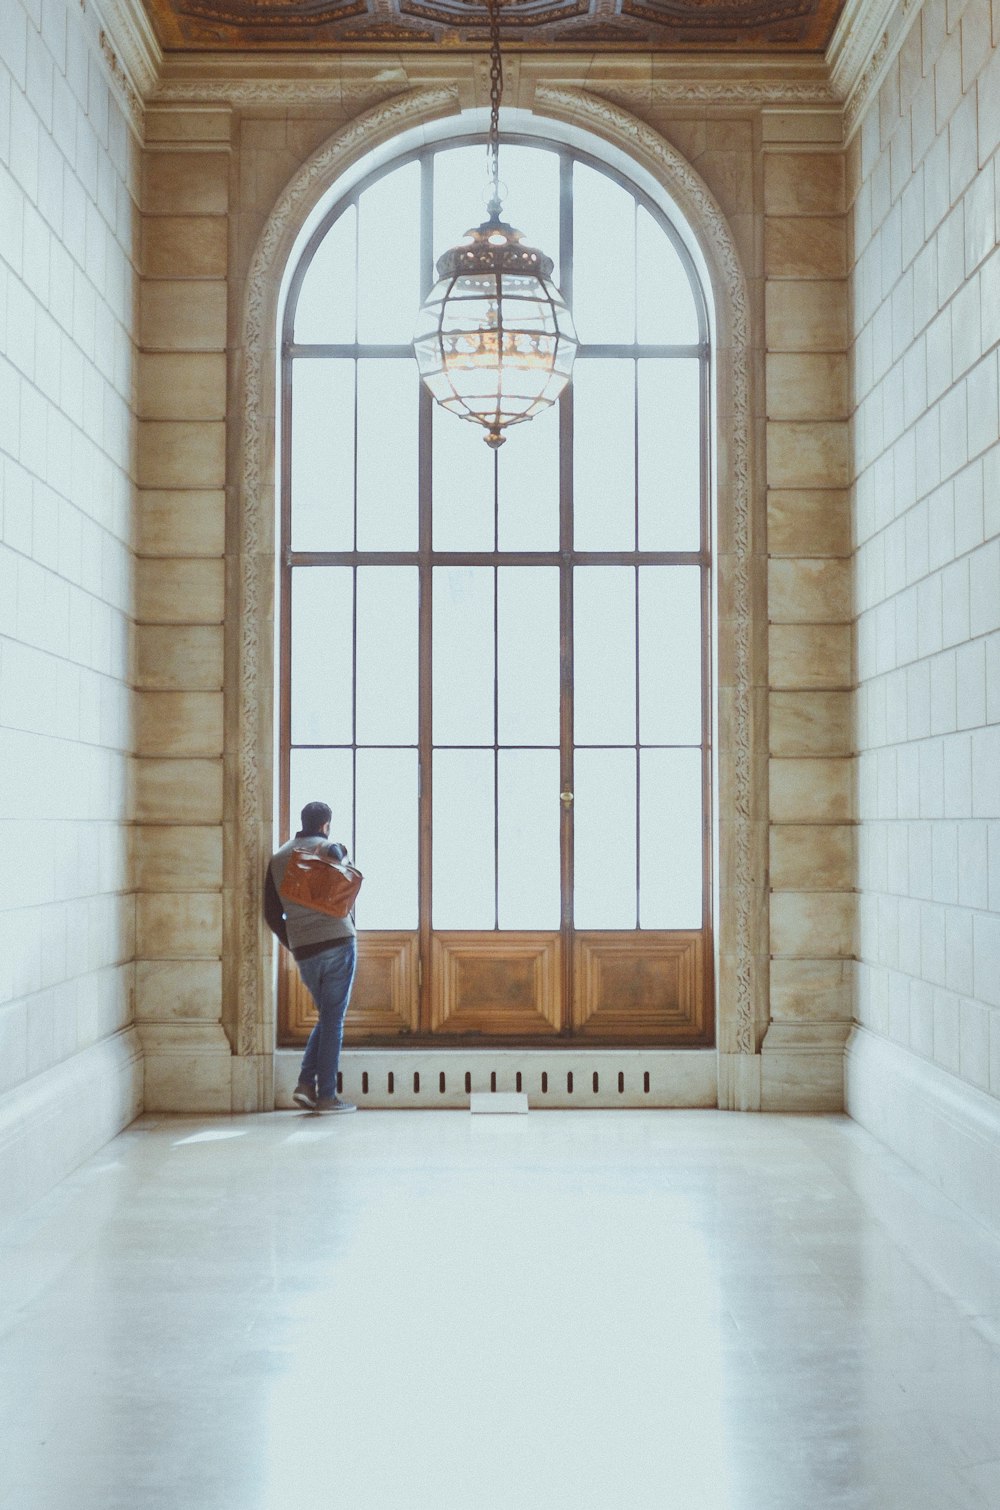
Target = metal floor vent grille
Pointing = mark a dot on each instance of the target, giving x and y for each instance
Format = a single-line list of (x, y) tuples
[(386, 1079)]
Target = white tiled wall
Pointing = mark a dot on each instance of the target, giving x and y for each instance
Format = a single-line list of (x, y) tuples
[(68, 176), (925, 185)]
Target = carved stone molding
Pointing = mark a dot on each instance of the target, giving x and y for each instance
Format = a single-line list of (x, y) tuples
[(130, 49), (255, 514), (717, 92), (866, 39)]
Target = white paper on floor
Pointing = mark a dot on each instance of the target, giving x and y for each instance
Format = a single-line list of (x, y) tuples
[(498, 1101)]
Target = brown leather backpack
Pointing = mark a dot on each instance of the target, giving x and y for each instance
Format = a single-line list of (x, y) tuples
[(320, 881)]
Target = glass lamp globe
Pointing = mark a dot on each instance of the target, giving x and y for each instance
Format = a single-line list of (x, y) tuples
[(495, 341)]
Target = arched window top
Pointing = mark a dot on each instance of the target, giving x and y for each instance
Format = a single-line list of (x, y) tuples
[(370, 260)]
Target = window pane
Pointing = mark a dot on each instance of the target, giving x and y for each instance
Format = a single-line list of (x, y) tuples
[(387, 838), (387, 654), (528, 863), (604, 654), (464, 850), (322, 655), (528, 485), (325, 312), (460, 194), (388, 259), (528, 659), (604, 455), (322, 454), (666, 311), (463, 485), (604, 839), (387, 455), (603, 258), (670, 867), (670, 655), (323, 776), (463, 655), (531, 202), (669, 455)]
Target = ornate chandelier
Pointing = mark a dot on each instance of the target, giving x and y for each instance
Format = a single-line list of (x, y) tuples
[(494, 341)]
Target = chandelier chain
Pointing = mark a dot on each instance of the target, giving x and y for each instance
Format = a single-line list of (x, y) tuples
[(496, 91)]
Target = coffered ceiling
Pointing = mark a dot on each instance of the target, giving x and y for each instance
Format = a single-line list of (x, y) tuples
[(335, 25)]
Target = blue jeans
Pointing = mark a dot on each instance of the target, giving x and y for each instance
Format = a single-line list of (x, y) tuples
[(328, 978)]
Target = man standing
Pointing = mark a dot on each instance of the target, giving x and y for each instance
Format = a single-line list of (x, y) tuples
[(325, 950)]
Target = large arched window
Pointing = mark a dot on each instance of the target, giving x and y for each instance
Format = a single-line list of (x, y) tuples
[(494, 665)]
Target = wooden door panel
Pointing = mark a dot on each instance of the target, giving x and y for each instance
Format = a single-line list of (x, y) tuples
[(504, 985), (384, 1001), (648, 987)]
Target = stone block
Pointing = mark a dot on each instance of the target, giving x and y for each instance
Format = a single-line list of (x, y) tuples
[(181, 522), (811, 791), (177, 791), (806, 315), (810, 656), (807, 385), (181, 454), (180, 592), (178, 990), (179, 723), (174, 925), (182, 385), (185, 183), (813, 925), (807, 990), (174, 658), (809, 591), (177, 858), (808, 522), (803, 183), (812, 857), (805, 247), (182, 316), (808, 454), (184, 246)]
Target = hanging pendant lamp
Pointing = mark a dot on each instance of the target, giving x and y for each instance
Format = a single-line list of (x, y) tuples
[(494, 341)]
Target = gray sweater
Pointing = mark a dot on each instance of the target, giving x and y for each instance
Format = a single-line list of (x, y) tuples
[(304, 927)]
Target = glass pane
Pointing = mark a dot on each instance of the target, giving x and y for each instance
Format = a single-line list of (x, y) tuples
[(603, 258), (463, 485), (604, 654), (666, 311), (670, 863), (322, 654), (387, 455), (325, 312), (528, 485), (388, 257), (387, 838), (387, 655), (528, 655), (670, 655), (323, 776), (528, 862), (531, 202), (464, 850), (461, 190), (322, 454), (604, 455), (463, 655), (604, 839), (669, 455)]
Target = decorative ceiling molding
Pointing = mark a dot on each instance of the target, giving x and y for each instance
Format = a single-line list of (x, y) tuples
[(859, 88), (130, 48)]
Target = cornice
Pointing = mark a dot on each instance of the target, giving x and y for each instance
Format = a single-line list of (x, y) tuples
[(130, 48), (863, 46)]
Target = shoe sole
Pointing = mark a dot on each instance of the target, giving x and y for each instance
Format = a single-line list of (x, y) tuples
[(333, 1111), (304, 1102)]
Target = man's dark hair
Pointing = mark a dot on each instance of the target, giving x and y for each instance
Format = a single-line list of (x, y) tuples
[(314, 815)]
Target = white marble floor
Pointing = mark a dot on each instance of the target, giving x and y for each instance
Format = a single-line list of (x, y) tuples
[(597, 1310)]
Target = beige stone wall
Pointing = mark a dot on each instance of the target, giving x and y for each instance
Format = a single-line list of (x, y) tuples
[(922, 184), (69, 165), (777, 175)]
